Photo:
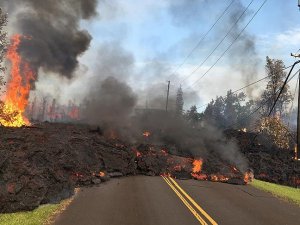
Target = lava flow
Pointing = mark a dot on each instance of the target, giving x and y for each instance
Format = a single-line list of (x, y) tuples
[(18, 87), (196, 171)]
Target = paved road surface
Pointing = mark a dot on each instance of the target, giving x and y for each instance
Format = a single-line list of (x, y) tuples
[(158, 201)]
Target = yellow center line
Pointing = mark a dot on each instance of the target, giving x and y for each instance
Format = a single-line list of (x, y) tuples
[(193, 202), (198, 217)]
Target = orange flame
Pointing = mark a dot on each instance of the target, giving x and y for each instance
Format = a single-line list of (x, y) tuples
[(137, 153), (197, 165), (74, 113), (200, 176), (18, 87), (196, 170), (146, 134), (248, 177), (219, 177), (101, 174)]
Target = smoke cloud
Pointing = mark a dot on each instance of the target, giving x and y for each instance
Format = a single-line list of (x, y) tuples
[(243, 55), (109, 103), (54, 39), (114, 61)]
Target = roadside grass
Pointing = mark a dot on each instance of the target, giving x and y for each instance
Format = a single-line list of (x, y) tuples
[(288, 193), (43, 215)]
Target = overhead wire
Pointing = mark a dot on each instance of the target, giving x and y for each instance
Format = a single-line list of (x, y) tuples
[(233, 42), (201, 40), (292, 105), (261, 105), (219, 44)]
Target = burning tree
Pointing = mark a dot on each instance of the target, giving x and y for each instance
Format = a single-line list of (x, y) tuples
[(18, 86), (5, 115)]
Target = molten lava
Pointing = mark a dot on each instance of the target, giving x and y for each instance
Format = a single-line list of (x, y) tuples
[(146, 134), (218, 178), (196, 171), (197, 165), (248, 177), (18, 87)]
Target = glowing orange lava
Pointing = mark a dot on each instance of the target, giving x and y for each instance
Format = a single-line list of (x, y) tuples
[(146, 134), (248, 177), (196, 170), (18, 87), (197, 165), (218, 178)]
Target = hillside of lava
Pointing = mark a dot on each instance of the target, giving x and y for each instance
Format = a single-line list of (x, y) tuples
[(43, 163)]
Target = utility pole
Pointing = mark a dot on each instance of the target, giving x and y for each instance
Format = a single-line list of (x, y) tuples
[(297, 154), (297, 147), (168, 93)]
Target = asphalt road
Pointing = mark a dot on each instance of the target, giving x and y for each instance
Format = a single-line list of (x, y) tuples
[(158, 201)]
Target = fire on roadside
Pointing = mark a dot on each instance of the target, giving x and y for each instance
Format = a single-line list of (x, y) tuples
[(17, 88), (196, 170), (248, 176), (197, 165)]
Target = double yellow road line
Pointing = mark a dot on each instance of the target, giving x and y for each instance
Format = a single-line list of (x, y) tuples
[(195, 209)]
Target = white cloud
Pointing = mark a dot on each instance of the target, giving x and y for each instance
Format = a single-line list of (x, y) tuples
[(289, 37)]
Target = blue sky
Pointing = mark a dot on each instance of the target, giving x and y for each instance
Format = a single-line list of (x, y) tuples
[(151, 31), (147, 27)]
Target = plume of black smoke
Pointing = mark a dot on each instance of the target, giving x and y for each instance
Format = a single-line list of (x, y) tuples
[(55, 39), (197, 140), (110, 103), (114, 61), (243, 55)]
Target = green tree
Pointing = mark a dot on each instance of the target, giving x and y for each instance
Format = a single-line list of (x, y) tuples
[(274, 69), (233, 107), (179, 102), (193, 116), (214, 112), (244, 120)]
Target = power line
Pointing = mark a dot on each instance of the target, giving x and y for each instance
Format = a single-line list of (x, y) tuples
[(281, 90), (248, 85), (261, 105), (231, 43), (292, 106), (218, 45), (255, 82), (201, 40)]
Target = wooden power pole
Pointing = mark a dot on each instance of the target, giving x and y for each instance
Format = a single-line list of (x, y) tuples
[(168, 93), (297, 148), (297, 151)]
